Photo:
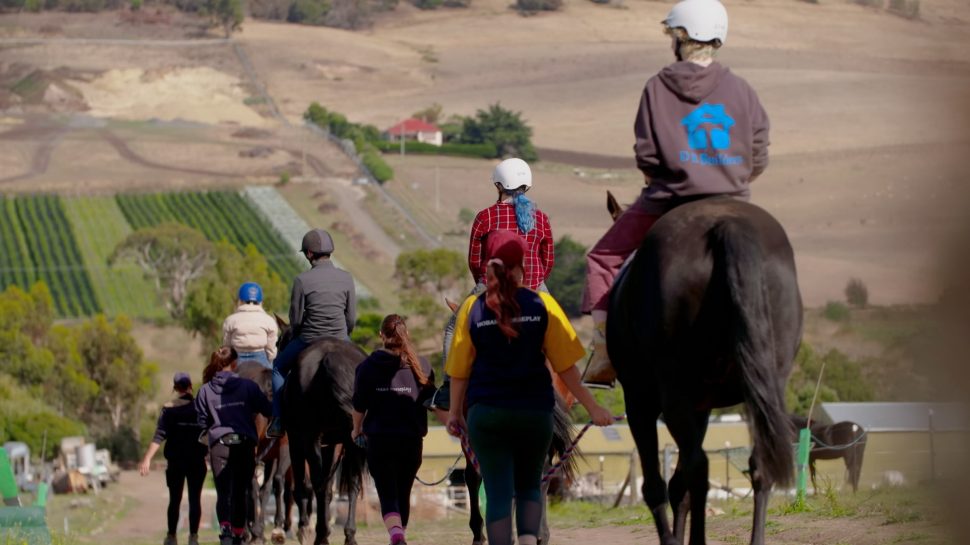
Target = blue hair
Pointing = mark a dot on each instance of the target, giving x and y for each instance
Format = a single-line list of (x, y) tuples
[(525, 213)]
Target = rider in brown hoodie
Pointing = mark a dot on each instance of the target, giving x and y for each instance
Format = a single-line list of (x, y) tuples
[(700, 131)]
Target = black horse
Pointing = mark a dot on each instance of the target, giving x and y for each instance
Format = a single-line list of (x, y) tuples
[(846, 440), (707, 315), (317, 419)]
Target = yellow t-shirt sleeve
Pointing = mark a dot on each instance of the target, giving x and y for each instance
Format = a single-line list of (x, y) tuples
[(561, 344), (461, 355)]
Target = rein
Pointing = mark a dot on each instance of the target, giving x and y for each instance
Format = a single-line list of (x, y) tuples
[(571, 448), (447, 473)]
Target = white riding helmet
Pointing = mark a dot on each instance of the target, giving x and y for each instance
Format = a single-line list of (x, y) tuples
[(703, 20), (512, 174)]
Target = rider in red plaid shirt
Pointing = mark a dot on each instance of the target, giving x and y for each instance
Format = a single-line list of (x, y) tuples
[(513, 212), (501, 217)]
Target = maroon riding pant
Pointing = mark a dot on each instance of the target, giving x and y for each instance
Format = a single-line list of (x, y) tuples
[(606, 258)]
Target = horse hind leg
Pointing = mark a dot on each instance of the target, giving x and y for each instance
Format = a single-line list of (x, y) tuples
[(475, 521), (762, 484), (643, 426), (688, 428)]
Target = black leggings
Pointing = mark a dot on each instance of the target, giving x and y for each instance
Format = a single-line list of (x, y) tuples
[(393, 462), (176, 475), (233, 468)]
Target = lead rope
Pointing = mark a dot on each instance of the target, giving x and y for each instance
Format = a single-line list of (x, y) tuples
[(571, 448)]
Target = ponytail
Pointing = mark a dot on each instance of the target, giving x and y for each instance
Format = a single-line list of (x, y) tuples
[(398, 340), (501, 283), (525, 212), (219, 360)]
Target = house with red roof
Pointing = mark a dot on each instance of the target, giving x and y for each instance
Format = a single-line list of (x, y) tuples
[(415, 129)]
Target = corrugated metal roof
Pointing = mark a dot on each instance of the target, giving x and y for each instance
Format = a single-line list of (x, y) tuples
[(885, 416)]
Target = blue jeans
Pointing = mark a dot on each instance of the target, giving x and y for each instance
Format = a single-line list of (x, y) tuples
[(259, 357), (281, 367)]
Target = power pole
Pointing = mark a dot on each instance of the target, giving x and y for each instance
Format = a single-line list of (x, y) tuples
[(437, 191)]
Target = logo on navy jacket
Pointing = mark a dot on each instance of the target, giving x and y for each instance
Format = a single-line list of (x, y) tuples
[(708, 133)]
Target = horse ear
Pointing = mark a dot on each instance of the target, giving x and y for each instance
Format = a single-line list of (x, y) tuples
[(613, 206), (452, 305), (280, 321)]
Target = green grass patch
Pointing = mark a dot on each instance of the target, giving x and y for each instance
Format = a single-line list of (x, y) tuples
[(586, 514), (122, 289)]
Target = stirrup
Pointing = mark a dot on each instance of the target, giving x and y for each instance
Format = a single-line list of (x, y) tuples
[(275, 429)]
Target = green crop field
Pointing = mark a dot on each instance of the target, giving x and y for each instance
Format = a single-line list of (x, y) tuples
[(41, 246), (15, 264), (218, 215), (99, 226)]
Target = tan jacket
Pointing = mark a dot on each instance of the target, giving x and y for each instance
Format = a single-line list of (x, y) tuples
[(251, 329)]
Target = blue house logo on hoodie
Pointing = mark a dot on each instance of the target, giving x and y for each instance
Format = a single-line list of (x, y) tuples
[(708, 127)]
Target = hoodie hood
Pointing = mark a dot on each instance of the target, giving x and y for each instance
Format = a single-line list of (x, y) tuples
[(690, 81), (222, 383)]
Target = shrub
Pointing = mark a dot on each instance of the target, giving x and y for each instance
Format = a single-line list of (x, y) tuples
[(376, 165), (284, 178), (836, 311), (907, 8), (135, 5), (533, 6), (276, 10), (349, 14), (82, 5), (33, 5), (485, 151), (856, 293), (503, 128), (427, 4), (870, 3), (569, 275)]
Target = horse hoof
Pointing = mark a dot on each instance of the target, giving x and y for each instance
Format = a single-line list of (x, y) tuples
[(301, 535), (278, 537)]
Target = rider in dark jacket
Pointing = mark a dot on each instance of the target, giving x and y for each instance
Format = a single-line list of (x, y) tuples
[(323, 304), (227, 405)]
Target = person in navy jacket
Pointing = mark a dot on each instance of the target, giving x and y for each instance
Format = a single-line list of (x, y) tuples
[(227, 405), (390, 388)]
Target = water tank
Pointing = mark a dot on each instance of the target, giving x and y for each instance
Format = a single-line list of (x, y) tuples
[(85, 458)]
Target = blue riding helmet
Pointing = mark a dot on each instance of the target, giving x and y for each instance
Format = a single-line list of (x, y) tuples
[(250, 292)]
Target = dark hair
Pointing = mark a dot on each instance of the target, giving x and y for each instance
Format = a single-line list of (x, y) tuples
[(315, 256), (501, 284), (220, 359), (398, 340)]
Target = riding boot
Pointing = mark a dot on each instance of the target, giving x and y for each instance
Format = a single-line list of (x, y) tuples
[(275, 429), (599, 371), (170, 539), (193, 539)]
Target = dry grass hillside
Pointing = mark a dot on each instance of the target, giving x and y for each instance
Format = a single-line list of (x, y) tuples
[(868, 127)]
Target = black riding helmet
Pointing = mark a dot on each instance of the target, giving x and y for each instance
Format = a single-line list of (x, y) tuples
[(317, 241)]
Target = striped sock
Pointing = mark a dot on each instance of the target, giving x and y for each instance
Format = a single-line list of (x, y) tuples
[(392, 521)]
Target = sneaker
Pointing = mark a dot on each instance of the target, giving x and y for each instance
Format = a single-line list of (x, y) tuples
[(599, 371), (275, 428), (170, 539)]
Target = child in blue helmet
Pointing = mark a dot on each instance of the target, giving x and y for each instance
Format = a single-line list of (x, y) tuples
[(250, 330)]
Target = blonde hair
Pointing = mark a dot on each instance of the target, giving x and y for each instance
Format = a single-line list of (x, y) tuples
[(692, 50)]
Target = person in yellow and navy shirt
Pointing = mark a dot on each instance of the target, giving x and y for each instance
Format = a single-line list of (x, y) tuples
[(497, 365)]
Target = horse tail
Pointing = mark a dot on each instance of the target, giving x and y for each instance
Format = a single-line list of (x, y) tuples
[(350, 478), (562, 438), (738, 253)]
